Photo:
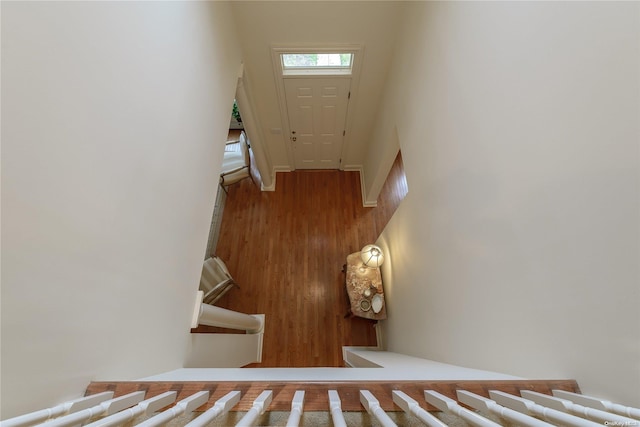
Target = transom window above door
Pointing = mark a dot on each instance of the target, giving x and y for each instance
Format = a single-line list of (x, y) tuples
[(305, 63)]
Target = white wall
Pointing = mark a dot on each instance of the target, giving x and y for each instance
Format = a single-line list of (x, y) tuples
[(517, 248), (223, 350), (262, 24), (114, 117)]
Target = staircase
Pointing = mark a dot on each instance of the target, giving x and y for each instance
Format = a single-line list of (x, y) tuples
[(224, 350)]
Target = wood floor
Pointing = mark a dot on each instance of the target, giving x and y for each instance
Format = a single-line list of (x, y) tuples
[(286, 250)]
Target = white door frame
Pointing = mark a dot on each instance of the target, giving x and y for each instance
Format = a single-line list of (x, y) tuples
[(276, 50)]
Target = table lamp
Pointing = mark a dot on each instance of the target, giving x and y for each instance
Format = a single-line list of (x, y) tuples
[(372, 256)]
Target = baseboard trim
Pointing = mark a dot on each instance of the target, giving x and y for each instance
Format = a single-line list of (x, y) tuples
[(359, 168), (272, 187), (379, 340), (274, 172), (349, 168)]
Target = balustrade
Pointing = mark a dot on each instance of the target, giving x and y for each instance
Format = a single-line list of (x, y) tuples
[(531, 409)]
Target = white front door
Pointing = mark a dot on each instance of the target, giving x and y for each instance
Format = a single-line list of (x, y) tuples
[(317, 109)]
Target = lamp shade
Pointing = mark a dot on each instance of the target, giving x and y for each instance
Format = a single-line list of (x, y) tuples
[(372, 256)]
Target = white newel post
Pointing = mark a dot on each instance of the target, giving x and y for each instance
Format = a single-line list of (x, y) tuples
[(210, 315)]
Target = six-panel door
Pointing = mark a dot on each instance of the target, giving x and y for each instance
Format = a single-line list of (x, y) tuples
[(317, 109)]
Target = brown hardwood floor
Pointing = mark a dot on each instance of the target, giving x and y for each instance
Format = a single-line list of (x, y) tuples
[(286, 250)]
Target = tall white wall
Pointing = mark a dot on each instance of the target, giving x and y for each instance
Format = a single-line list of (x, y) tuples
[(517, 247), (113, 122), (262, 24), (224, 350)]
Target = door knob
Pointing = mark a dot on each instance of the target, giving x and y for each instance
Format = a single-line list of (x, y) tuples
[(293, 132)]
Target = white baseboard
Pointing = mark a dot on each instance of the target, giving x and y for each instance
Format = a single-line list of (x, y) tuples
[(379, 340), (353, 361), (275, 170), (272, 187), (359, 168), (349, 168)]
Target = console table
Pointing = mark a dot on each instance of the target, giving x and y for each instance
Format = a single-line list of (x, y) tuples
[(360, 281)]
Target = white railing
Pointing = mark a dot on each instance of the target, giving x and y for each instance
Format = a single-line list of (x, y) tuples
[(569, 407), (211, 315), (450, 406), (56, 411), (529, 409), (412, 407), (146, 407), (372, 406), (260, 405), (605, 405), (221, 407), (109, 407), (335, 406), (490, 407), (184, 407), (297, 406)]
